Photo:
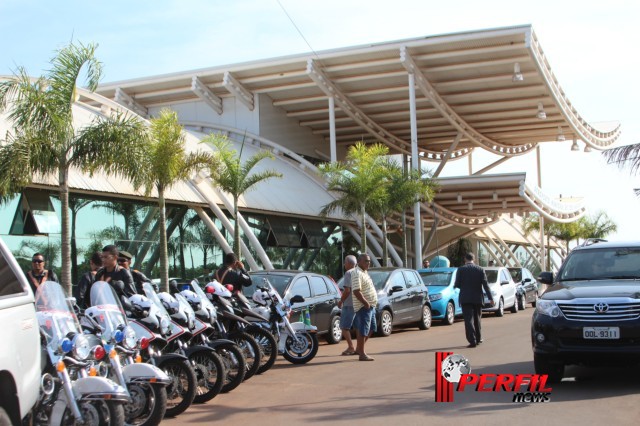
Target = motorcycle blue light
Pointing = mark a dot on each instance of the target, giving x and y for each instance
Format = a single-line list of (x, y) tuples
[(66, 345), (118, 336)]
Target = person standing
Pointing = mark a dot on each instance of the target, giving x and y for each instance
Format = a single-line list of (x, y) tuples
[(471, 279), (38, 273), (87, 279), (124, 260), (346, 305), (233, 272), (111, 272), (364, 304)]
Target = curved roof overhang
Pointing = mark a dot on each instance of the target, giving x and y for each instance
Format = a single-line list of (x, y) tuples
[(465, 86)]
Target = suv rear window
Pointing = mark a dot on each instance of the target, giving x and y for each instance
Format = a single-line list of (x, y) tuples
[(601, 264), (9, 284)]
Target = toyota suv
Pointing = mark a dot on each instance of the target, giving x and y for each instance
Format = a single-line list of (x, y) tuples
[(20, 335), (591, 312)]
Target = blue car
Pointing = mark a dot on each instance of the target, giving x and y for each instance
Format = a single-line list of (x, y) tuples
[(442, 295)]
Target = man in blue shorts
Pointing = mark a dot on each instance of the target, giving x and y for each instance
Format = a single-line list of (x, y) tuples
[(346, 304), (364, 304)]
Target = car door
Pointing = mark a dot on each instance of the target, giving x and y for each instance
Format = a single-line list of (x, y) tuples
[(415, 292), (399, 299), (323, 302), (508, 288), (531, 286)]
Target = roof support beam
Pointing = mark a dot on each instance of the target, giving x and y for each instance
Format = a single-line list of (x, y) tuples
[(238, 90), (332, 129), (349, 108), (447, 155), (207, 96), (491, 166), (124, 99), (456, 120)]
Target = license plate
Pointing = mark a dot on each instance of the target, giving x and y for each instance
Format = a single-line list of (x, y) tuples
[(601, 332)]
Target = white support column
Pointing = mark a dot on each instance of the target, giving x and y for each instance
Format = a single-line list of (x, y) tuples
[(543, 251), (447, 156), (356, 235), (214, 229), (415, 165), (124, 99), (208, 97), (332, 128)]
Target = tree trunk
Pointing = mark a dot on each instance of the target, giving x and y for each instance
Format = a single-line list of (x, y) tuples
[(405, 249), (183, 269), (164, 257), (236, 229), (74, 249), (363, 230), (65, 243), (385, 249)]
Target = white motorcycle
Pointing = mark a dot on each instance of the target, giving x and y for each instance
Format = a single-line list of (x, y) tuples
[(297, 341)]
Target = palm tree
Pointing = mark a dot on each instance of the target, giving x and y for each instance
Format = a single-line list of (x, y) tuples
[(128, 211), (75, 205), (166, 163), (598, 226), (44, 140), (358, 181), (402, 190), (235, 178)]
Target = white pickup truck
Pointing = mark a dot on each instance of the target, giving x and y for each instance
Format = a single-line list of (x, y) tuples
[(20, 348)]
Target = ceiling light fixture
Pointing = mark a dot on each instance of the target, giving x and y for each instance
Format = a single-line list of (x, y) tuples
[(459, 198), (495, 196), (504, 204), (561, 137), (541, 114), (574, 146), (587, 148), (517, 75), (470, 205)]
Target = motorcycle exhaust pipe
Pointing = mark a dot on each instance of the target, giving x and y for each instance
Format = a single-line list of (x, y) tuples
[(47, 384)]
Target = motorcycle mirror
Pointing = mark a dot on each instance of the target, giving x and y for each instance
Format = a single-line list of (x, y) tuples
[(296, 299)]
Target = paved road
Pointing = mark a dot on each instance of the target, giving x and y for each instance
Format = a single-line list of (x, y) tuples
[(399, 387)]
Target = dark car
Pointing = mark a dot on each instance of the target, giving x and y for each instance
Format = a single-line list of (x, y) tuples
[(591, 312), (321, 296), (402, 299), (527, 288)]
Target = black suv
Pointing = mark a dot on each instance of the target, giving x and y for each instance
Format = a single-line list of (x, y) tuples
[(591, 313), (321, 297)]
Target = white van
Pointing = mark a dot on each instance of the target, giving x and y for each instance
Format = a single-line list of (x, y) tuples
[(20, 352), (503, 290)]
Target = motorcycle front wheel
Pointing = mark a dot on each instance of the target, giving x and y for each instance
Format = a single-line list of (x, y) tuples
[(210, 375), (96, 413), (234, 364), (182, 389), (251, 351), (147, 405), (302, 348), (268, 346)]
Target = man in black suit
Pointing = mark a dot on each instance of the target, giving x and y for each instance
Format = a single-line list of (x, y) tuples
[(471, 279)]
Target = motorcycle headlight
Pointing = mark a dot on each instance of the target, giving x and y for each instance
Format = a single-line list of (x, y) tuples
[(434, 297), (130, 339), (81, 347), (548, 307)]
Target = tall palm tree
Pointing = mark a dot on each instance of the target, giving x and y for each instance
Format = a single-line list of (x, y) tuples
[(598, 226), (402, 190), (358, 181), (167, 163), (128, 211), (235, 177), (75, 205), (44, 140)]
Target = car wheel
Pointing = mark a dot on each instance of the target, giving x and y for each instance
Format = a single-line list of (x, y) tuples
[(514, 308), (334, 335), (544, 365), (425, 321), (386, 324), (535, 300), (450, 314), (500, 310), (522, 303)]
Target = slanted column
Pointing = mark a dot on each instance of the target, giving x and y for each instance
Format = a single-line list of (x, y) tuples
[(415, 165), (332, 129)]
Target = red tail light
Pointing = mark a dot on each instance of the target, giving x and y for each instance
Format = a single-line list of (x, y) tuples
[(99, 352)]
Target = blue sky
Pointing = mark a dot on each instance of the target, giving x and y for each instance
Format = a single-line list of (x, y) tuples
[(591, 45)]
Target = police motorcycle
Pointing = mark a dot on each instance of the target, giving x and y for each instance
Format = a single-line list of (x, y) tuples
[(297, 341), (231, 326), (256, 325), (145, 383), (72, 392), (207, 322), (154, 328), (207, 364)]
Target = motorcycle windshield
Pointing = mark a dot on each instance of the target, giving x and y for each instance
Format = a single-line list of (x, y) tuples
[(56, 317), (186, 308), (157, 309), (110, 314), (204, 300)]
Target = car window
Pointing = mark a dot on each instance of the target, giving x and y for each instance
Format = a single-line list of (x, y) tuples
[(379, 278), (504, 276), (333, 289), (517, 274), (411, 278), (436, 278), (318, 286), (397, 279), (597, 264), (492, 276), (279, 282), (300, 287), (9, 284)]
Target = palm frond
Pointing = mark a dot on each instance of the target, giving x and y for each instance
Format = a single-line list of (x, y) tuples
[(624, 156)]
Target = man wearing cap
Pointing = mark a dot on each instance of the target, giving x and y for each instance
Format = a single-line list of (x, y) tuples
[(124, 260), (118, 277)]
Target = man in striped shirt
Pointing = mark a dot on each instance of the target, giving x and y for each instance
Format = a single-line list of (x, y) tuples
[(365, 299)]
